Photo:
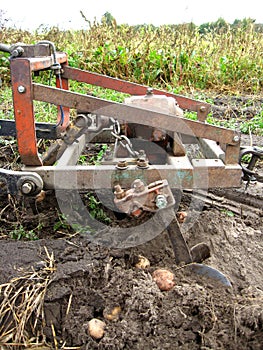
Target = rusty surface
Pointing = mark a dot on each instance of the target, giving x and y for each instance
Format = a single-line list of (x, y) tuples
[(39, 50), (141, 196), (21, 72), (63, 122), (201, 108), (197, 174), (133, 114), (24, 111), (39, 63)]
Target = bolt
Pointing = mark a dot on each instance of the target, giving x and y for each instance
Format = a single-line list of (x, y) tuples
[(27, 187), (149, 91), (202, 109), (161, 201), (138, 185), (122, 165), (21, 89), (142, 163), (119, 192), (236, 138)]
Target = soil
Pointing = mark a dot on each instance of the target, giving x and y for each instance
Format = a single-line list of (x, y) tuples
[(78, 279)]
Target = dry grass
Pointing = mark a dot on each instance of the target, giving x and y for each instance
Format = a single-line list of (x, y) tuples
[(21, 308)]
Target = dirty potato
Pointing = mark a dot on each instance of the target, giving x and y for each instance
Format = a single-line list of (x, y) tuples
[(164, 279), (96, 328), (142, 262), (181, 216), (112, 314)]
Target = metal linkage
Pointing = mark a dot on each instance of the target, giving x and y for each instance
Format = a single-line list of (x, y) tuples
[(21, 182), (141, 197)]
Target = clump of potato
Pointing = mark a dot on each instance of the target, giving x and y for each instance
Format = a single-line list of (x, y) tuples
[(164, 279), (96, 328)]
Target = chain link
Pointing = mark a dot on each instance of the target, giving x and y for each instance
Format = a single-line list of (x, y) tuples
[(123, 140)]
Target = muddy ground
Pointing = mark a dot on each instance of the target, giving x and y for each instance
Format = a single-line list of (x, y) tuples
[(54, 279)]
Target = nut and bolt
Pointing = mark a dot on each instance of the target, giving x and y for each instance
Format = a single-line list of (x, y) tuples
[(149, 91), (27, 187), (202, 109), (119, 192), (142, 163), (122, 165), (236, 138), (161, 201), (21, 89), (138, 186)]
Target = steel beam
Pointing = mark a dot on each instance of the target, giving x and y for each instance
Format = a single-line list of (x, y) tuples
[(181, 176)]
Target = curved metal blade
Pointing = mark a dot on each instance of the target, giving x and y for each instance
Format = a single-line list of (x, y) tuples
[(210, 272)]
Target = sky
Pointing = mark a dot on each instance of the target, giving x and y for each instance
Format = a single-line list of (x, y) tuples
[(27, 14)]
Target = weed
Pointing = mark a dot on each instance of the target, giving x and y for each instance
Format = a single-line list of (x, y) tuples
[(61, 223), (96, 210), (254, 125), (228, 212), (97, 158), (20, 233)]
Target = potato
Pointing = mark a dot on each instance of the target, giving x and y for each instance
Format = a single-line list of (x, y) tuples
[(142, 262), (96, 328), (164, 279), (181, 216), (112, 314)]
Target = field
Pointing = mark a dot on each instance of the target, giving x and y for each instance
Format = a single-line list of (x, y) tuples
[(55, 278)]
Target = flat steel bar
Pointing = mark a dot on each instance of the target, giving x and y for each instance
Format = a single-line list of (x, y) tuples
[(134, 114), (40, 63), (107, 176), (45, 131), (72, 152)]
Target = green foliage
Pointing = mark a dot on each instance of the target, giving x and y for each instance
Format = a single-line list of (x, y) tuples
[(61, 223), (228, 212), (96, 159), (253, 125), (96, 210), (217, 56), (184, 58), (20, 233)]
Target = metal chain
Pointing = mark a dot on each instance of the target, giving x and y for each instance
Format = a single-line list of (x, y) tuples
[(123, 140)]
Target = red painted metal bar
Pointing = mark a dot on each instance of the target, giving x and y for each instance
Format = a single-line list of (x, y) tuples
[(24, 110), (21, 72), (201, 108)]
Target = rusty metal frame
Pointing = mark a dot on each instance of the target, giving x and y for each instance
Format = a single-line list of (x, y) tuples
[(221, 166)]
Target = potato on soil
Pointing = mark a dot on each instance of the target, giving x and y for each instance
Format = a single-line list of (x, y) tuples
[(112, 314), (164, 279), (142, 262), (181, 216), (96, 328)]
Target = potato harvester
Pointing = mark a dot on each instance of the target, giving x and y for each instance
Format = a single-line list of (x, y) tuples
[(147, 158)]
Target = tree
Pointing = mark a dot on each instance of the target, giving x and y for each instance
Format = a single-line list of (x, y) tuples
[(109, 19)]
